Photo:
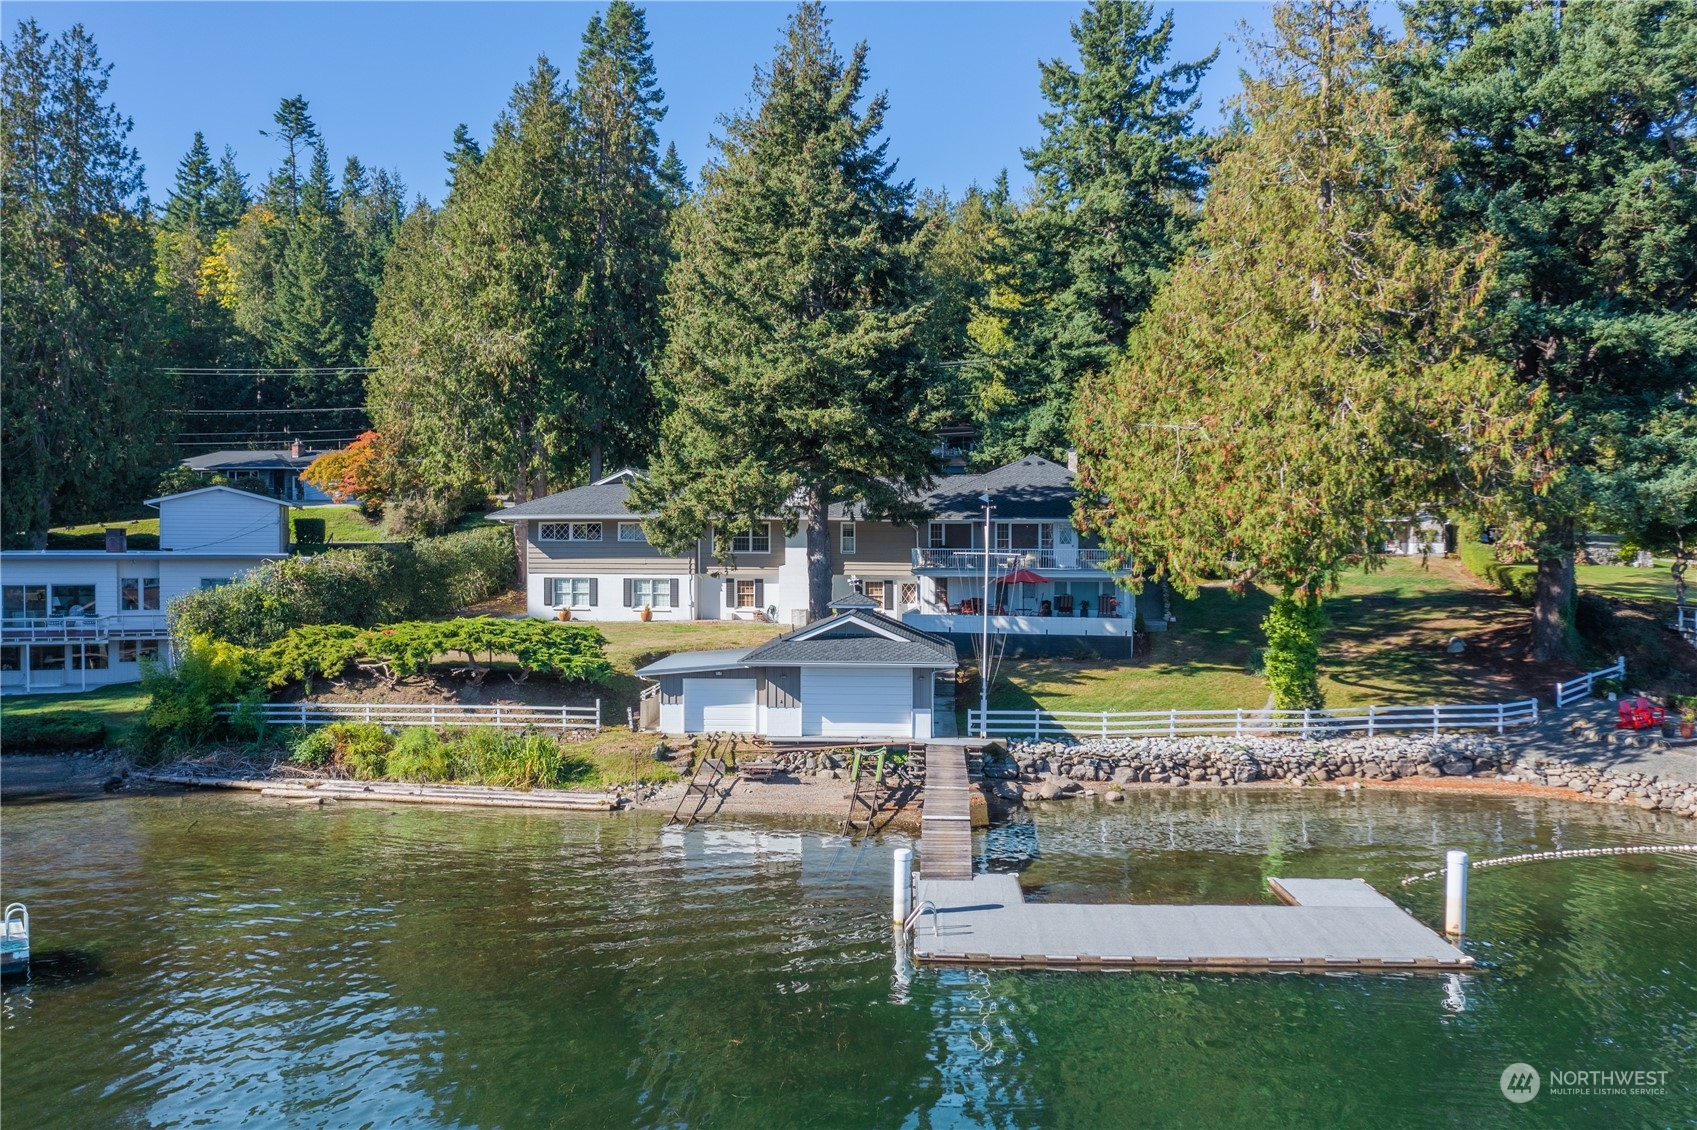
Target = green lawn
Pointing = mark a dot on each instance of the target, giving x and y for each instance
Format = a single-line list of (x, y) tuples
[(118, 706), (1627, 583), (634, 644), (143, 533), (1386, 645)]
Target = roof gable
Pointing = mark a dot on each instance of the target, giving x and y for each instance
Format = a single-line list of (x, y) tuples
[(154, 502), (604, 499)]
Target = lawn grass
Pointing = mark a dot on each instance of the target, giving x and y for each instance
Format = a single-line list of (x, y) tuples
[(119, 707), (1386, 645), (142, 533), (633, 644), (1626, 583), (343, 523)]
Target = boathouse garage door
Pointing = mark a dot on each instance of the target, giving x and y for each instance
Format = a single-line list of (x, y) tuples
[(719, 705), (856, 702)]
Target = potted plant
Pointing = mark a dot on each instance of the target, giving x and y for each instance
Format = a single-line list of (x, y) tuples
[(1686, 706), (647, 613), (565, 613)]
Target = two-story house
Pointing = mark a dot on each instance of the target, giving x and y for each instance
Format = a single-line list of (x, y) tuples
[(587, 554), (78, 618)]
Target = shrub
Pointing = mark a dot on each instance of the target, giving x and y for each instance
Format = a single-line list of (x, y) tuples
[(571, 651), (1292, 657), (419, 755), (185, 699), (309, 531), (33, 733), (315, 749), (362, 748), (1517, 580)]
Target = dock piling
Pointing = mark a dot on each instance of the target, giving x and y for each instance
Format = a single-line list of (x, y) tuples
[(902, 904), (1455, 894)]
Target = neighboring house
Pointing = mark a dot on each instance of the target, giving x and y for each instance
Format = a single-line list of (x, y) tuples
[(279, 470), (857, 674), (1423, 533), (76, 618), (586, 553)]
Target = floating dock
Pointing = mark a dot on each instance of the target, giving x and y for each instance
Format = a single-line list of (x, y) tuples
[(1324, 926)]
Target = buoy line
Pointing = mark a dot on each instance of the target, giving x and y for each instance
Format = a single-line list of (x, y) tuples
[(1648, 849)]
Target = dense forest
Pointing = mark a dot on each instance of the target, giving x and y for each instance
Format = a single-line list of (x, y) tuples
[(1450, 268)]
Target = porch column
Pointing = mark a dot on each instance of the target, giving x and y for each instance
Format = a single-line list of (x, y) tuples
[(29, 662)]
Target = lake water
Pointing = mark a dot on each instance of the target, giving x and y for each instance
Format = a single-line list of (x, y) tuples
[(219, 960)]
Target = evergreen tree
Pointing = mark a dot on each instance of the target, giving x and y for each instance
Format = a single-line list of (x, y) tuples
[(464, 151), (296, 130), (475, 381), (82, 403), (623, 207), (674, 178), (1118, 171), (191, 197), (1572, 140), (230, 197), (794, 376), (1308, 377), (315, 323)]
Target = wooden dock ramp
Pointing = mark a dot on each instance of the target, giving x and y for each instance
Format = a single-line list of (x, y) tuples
[(945, 820), (1327, 925)]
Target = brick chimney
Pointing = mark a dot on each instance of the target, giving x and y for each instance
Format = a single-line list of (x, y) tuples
[(117, 541), (295, 448)]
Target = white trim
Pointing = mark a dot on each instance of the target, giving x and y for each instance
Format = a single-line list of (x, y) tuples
[(286, 505)]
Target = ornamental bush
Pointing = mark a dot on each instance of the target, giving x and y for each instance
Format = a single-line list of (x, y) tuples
[(1292, 658), (571, 651)]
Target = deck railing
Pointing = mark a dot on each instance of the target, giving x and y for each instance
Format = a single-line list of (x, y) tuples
[(1003, 561), (429, 714), (60, 629), (1368, 720), (1685, 623), (1577, 689)]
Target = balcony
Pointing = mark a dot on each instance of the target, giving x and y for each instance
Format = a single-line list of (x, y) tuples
[(83, 629), (970, 562)]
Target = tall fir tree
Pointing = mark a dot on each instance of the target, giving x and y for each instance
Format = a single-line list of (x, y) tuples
[(229, 198), (82, 402), (674, 178), (315, 325), (1571, 128), (1118, 172), (623, 206), (795, 376), (191, 197), (1310, 375), (475, 381)]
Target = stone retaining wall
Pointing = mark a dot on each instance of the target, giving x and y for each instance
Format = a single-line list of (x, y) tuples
[(1050, 770)]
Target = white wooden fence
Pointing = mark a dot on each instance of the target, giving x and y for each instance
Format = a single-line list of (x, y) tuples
[(1368, 720), (1577, 689), (429, 714), (1685, 623)]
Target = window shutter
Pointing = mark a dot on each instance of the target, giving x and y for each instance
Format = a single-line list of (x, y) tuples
[(889, 596), (628, 596), (674, 584), (759, 593), (594, 592), (730, 593)]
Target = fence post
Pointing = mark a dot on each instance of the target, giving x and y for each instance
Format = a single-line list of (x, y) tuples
[(368, 712), (1305, 713), (497, 715), (1534, 702), (1499, 718), (1434, 719), (1239, 730), (597, 716), (1620, 664), (303, 714), (1369, 721), (1104, 725), (1172, 722), (1036, 722)]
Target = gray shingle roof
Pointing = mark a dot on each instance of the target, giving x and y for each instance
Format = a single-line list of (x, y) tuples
[(1032, 487), (849, 638), (250, 461), (598, 500)]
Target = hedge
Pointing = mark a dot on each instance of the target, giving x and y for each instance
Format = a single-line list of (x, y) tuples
[(1519, 581), (358, 587), (309, 531), (35, 734), (571, 651)]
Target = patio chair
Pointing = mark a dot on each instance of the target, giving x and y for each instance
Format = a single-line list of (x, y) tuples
[(1063, 604), (1638, 714)]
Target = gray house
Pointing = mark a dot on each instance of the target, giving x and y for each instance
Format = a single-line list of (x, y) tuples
[(856, 674)]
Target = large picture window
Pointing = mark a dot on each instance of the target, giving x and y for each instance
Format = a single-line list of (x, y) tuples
[(572, 592), (132, 651), (138, 594), (568, 531), (24, 601), (73, 600)]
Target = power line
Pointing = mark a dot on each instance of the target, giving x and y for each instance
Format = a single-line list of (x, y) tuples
[(256, 411)]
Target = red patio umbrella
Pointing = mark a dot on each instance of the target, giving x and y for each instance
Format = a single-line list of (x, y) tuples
[(1021, 577)]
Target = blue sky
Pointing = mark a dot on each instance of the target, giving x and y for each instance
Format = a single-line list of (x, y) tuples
[(389, 81)]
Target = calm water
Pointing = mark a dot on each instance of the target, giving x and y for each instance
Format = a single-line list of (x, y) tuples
[(216, 960)]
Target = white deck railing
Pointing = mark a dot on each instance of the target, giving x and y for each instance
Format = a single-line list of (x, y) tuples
[(1576, 689), (1685, 623), (1003, 561), (1369, 720), (429, 714), (63, 629)]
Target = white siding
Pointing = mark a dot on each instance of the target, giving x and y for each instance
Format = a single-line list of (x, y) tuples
[(857, 702), (220, 521), (609, 596)]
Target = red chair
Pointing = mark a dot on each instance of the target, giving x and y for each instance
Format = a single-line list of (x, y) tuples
[(1639, 714)]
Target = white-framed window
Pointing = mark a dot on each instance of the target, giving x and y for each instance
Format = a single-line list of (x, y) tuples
[(848, 537), (909, 594), (654, 592), (631, 531), (568, 531), (73, 600), (757, 541), (747, 595), (572, 592), (950, 535), (25, 602), (131, 651), (138, 594)]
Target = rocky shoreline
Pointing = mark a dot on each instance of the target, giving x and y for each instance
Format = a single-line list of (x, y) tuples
[(1056, 770)]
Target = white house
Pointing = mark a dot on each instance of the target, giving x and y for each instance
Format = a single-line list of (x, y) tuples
[(77, 618), (855, 675), (587, 554)]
